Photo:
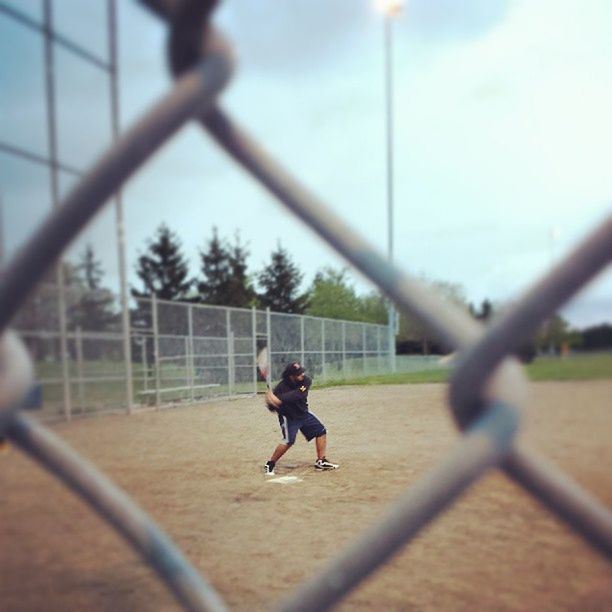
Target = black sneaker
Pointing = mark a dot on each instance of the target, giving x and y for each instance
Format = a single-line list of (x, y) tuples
[(269, 468), (324, 464)]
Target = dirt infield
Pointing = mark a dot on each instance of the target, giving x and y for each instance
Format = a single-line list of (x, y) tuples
[(196, 471)]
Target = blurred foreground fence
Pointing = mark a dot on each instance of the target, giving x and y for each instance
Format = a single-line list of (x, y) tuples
[(180, 351), (487, 390)]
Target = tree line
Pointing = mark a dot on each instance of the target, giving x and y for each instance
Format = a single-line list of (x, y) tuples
[(224, 279)]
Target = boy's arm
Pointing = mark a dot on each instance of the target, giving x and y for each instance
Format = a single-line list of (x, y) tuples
[(273, 399)]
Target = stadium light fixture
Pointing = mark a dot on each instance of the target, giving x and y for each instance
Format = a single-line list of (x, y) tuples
[(389, 8)]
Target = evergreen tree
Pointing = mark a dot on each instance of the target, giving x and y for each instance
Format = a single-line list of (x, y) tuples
[(89, 269), (95, 307), (224, 268), (216, 270), (280, 281), (163, 270), (240, 290)]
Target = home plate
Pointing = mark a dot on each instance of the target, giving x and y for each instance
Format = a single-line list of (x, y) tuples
[(286, 479)]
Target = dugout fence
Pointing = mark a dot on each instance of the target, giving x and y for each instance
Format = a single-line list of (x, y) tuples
[(486, 391)]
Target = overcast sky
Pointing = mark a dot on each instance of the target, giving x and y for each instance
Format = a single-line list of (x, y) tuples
[(503, 134)]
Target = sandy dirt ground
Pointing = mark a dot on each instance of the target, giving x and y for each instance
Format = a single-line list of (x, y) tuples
[(197, 471)]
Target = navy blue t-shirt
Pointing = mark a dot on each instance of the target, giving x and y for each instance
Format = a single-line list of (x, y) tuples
[(294, 397)]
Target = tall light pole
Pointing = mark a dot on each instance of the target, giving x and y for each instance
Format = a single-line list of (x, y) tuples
[(389, 9), (120, 226)]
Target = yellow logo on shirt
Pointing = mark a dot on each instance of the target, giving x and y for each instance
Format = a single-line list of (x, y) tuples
[(302, 388)]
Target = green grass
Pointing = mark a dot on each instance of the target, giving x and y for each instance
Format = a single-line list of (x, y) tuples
[(399, 378), (576, 367)]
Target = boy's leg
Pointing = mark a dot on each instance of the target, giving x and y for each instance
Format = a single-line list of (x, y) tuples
[(321, 445), (279, 451), (289, 430)]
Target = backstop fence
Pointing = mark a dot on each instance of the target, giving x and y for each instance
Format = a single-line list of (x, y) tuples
[(180, 352), (487, 389)]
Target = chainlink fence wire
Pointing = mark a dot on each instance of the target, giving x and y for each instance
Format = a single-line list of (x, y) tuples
[(486, 393)]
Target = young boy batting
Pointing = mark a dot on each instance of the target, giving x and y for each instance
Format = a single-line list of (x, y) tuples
[(289, 400)]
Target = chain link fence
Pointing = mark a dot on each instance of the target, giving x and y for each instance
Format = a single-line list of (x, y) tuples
[(92, 376), (487, 389), (180, 352)]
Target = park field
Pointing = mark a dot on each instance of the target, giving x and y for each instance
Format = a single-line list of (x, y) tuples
[(585, 366), (197, 471)]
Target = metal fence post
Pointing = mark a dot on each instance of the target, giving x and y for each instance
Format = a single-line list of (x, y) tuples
[(230, 350), (63, 329), (343, 349), (232, 363), (79, 359), (145, 364), (391, 336), (189, 348), (156, 352), (363, 346), (254, 345), (323, 369), (188, 382), (269, 341), (55, 198)]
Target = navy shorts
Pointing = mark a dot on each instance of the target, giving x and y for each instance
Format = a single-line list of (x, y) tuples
[(309, 425)]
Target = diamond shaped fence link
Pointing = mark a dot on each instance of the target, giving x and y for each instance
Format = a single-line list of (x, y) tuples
[(486, 393)]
